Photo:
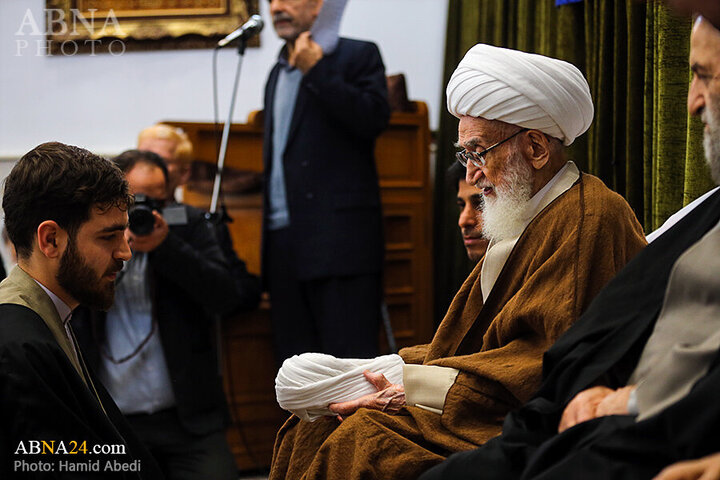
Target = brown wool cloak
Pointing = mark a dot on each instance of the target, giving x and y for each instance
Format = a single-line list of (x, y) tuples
[(562, 260)]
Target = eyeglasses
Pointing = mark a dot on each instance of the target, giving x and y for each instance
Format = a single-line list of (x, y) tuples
[(478, 158)]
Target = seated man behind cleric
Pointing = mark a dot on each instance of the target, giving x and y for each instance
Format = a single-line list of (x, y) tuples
[(634, 385), (557, 237), (470, 202), (154, 349), (65, 211)]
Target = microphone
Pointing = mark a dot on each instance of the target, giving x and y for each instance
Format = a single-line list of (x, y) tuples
[(249, 28)]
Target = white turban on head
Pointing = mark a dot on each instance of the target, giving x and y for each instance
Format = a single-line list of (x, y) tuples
[(524, 89)]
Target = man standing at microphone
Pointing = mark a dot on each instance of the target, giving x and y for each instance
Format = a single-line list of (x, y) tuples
[(325, 104)]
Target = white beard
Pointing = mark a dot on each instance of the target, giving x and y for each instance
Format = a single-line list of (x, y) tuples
[(504, 213), (711, 137)]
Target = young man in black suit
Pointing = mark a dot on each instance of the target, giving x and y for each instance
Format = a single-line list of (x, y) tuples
[(65, 212)]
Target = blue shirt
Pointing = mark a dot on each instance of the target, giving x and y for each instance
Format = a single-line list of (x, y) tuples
[(286, 90), (141, 384)]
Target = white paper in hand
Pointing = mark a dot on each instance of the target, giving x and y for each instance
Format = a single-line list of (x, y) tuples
[(325, 30)]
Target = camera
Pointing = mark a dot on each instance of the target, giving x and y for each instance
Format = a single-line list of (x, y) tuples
[(140, 215), (141, 219)]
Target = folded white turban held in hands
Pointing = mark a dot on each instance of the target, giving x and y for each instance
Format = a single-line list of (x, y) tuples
[(523, 89), (306, 384)]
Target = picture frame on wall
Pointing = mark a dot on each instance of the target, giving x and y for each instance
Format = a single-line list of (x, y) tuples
[(116, 26)]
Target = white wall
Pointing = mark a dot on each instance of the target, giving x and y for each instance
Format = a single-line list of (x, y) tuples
[(101, 102)]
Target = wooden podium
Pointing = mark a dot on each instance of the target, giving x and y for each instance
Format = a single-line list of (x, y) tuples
[(403, 162)]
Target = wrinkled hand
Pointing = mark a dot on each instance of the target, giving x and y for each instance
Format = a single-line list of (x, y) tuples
[(616, 403), (582, 408), (706, 468), (306, 53), (149, 242), (388, 398)]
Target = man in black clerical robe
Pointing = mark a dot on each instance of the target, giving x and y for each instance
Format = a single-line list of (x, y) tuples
[(65, 211), (607, 345)]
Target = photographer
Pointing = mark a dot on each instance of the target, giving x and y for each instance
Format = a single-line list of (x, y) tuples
[(175, 148), (153, 350)]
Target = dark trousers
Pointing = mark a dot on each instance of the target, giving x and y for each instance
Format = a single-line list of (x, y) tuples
[(337, 315), (181, 455)]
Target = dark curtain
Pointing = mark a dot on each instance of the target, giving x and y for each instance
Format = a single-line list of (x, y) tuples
[(642, 142)]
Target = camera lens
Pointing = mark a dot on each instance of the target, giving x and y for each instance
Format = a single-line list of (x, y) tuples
[(141, 220)]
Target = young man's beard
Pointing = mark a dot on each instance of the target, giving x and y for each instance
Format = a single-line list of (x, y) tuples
[(84, 284), (504, 213), (711, 137)]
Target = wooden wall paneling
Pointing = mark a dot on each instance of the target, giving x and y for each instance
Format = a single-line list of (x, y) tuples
[(408, 264), (248, 367)]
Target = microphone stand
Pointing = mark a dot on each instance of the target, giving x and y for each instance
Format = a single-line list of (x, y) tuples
[(222, 217), (242, 44)]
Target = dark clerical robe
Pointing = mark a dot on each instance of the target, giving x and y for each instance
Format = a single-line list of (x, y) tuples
[(567, 253), (48, 405), (604, 347)]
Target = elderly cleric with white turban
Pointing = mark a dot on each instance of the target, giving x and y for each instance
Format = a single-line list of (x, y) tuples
[(557, 236), (516, 112)]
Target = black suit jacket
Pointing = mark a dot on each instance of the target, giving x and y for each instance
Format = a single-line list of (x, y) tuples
[(191, 281), (329, 165)]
